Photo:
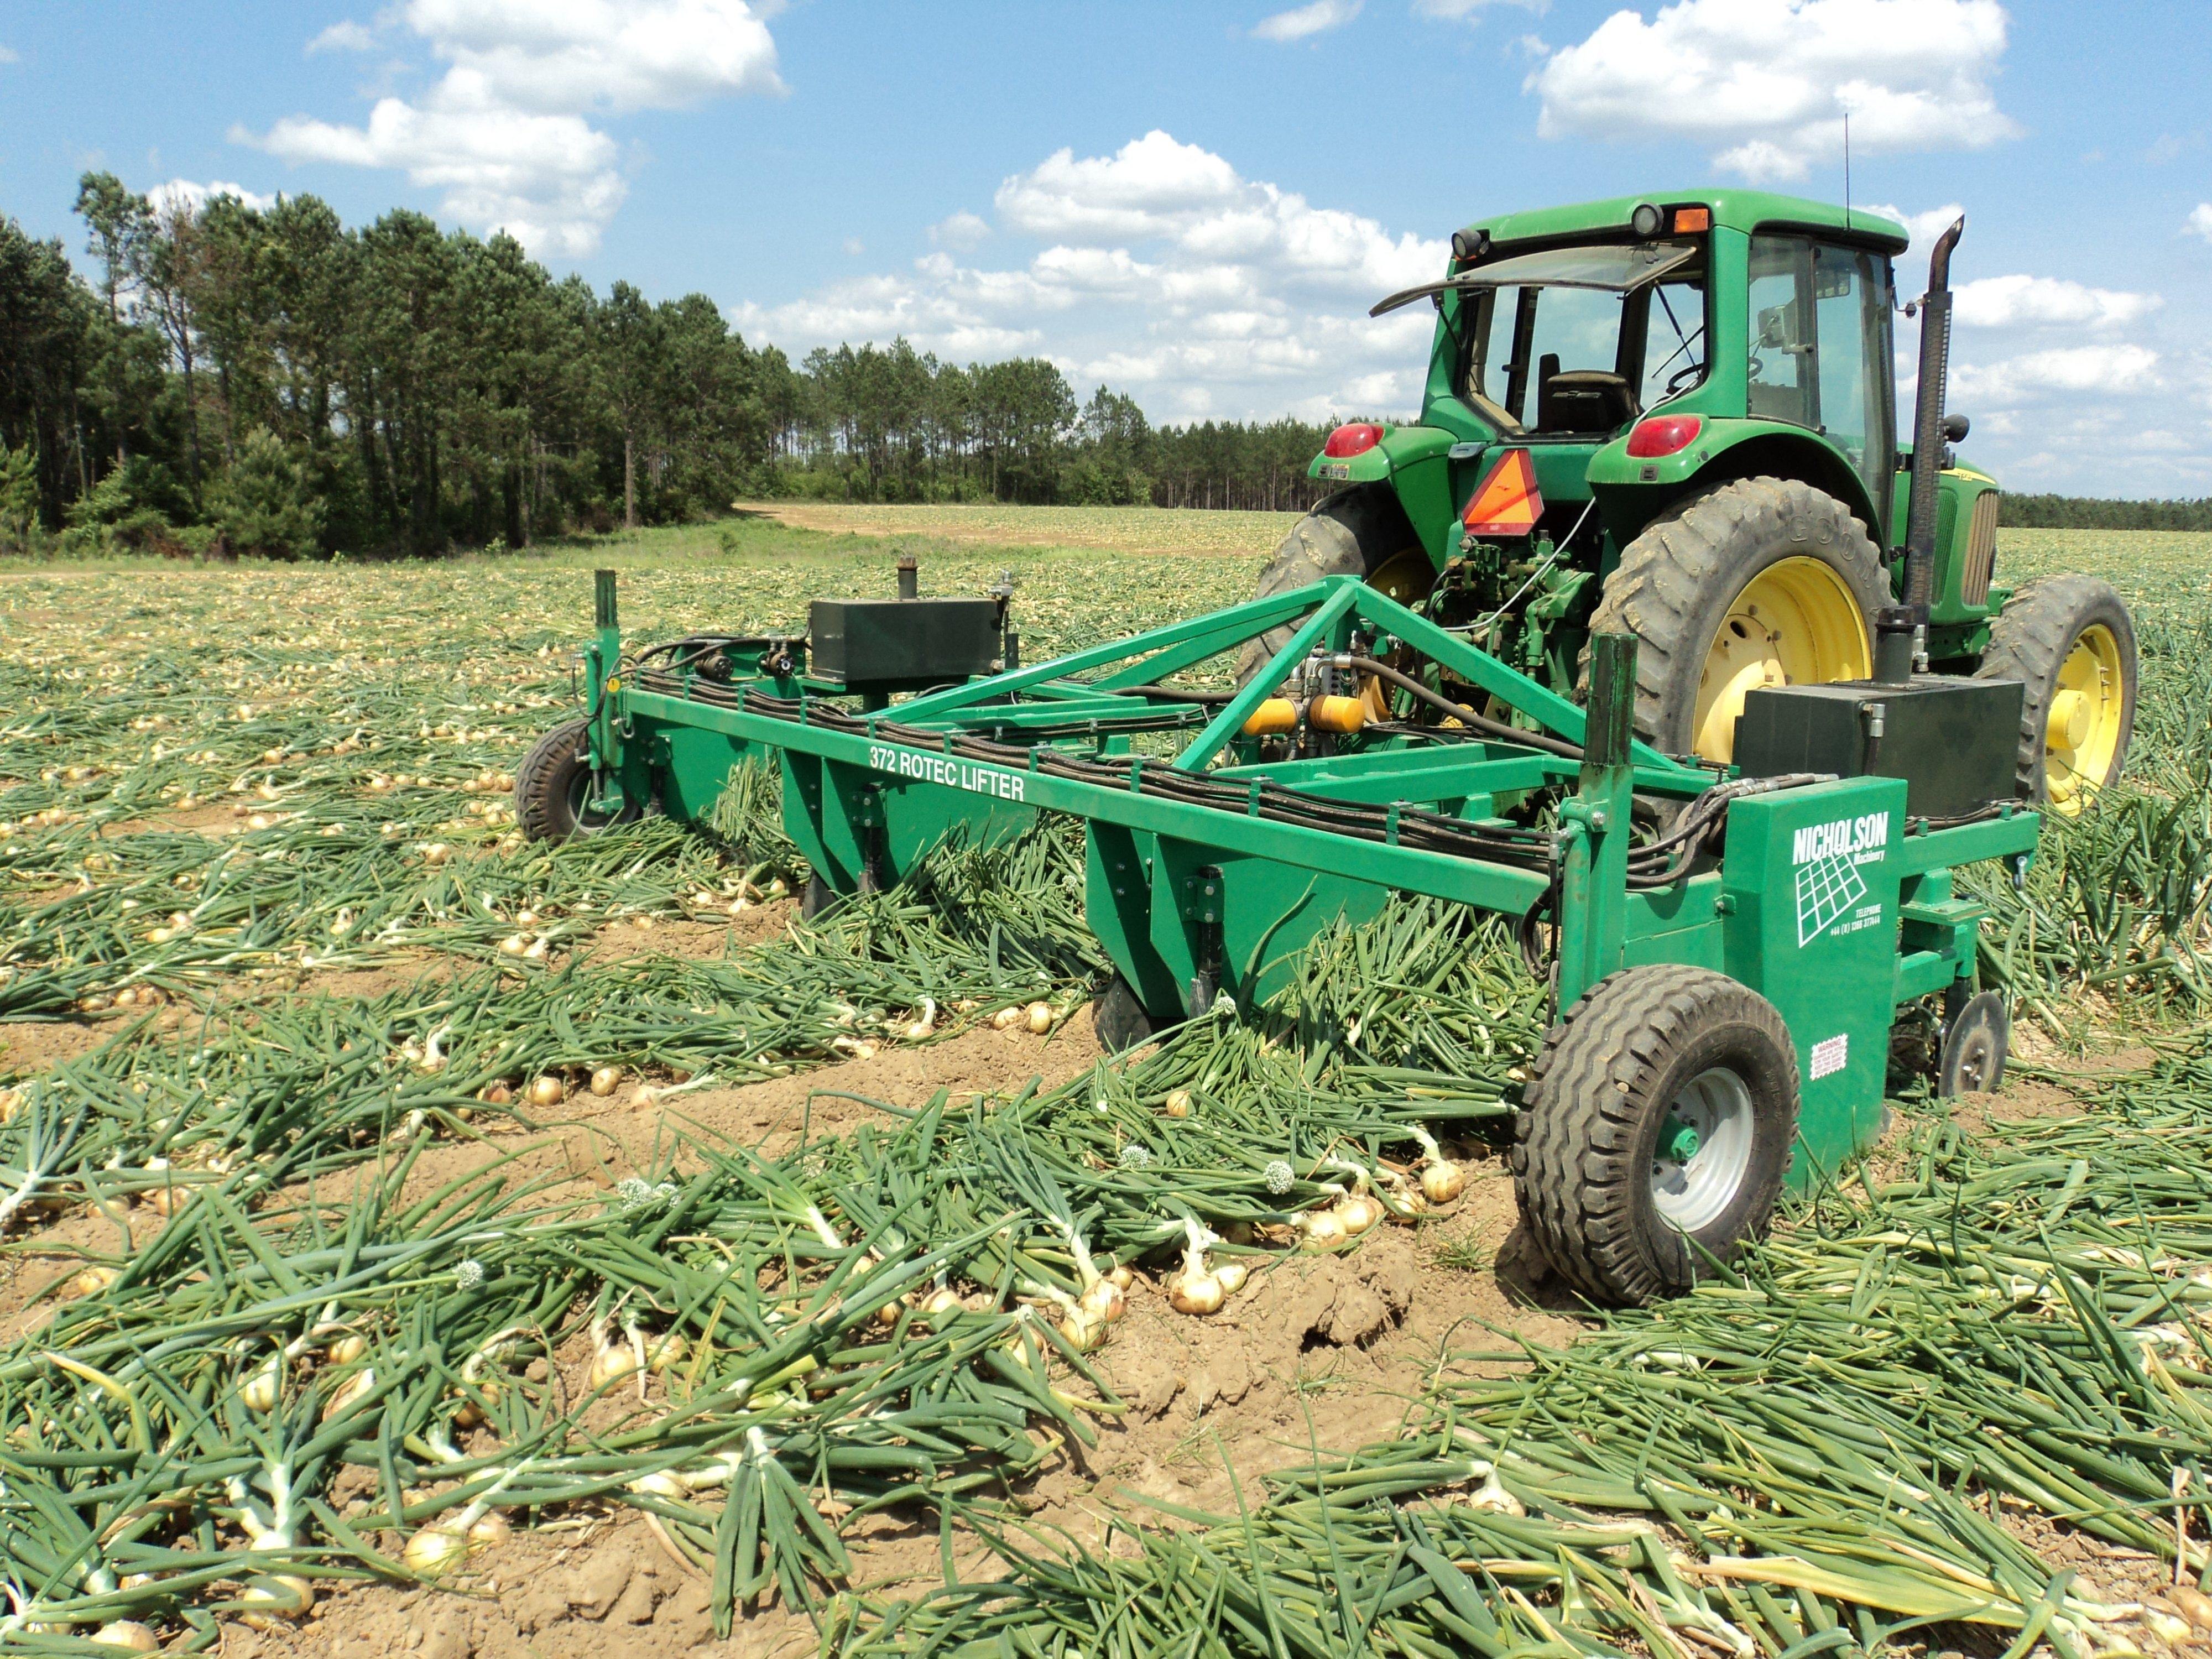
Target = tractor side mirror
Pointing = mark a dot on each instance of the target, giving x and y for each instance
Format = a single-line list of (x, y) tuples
[(1955, 427)]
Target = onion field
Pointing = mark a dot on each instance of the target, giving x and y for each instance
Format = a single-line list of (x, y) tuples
[(385, 1204)]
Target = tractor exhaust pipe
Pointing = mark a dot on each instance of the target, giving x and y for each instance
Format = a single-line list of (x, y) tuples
[(1901, 630), (1928, 422)]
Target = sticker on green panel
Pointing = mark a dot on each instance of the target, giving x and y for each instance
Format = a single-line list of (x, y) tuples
[(1833, 897)]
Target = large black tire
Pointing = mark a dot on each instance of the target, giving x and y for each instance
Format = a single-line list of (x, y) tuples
[(1640, 1048), (1678, 585), (1362, 532), (552, 788), (2031, 641)]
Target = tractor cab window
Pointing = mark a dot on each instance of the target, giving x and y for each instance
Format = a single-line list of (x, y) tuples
[(1820, 348), (1577, 341)]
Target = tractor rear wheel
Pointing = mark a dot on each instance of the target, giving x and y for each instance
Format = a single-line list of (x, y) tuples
[(553, 788), (1362, 532), (1655, 1129), (1756, 582), (2070, 643)]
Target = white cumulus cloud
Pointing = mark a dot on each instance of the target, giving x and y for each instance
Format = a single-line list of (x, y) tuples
[(1467, 11), (342, 36), (190, 197), (2200, 221), (1301, 21), (2013, 301), (1161, 269), (502, 133), (961, 231), (1767, 83), (2096, 371)]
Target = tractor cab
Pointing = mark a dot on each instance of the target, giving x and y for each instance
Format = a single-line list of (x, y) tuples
[(1677, 416)]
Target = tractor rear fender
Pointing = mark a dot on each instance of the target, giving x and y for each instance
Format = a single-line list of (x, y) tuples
[(1414, 461), (1631, 492)]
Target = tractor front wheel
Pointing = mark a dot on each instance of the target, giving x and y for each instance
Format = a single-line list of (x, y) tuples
[(1756, 582), (1655, 1130), (2071, 644), (1362, 532), (553, 788)]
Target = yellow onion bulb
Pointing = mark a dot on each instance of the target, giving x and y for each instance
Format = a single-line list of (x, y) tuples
[(1083, 1330), (606, 1079), (350, 1394), (435, 1551), (260, 1389), (347, 1349), (92, 1281), (488, 1530), (613, 1362), (548, 1091), (129, 1635), (1178, 1103), (942, 1304), (661, 1483), (1231, 1275), (1006, 1018), (1195, 1291), (273, 1600), (1040, 1017), (1443, 1181), (1102, 1299), (1121, 1275), (1323, 1231), (661, 1352), (1357, 1213)]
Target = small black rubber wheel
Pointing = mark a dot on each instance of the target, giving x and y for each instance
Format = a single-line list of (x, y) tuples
[(1362, 532), (819, 899), (1656, 1127), (553, 788), (2071, 644), (1119, 1018), (1976, 1041)]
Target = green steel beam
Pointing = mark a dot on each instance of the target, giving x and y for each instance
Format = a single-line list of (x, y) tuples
[(1469, 881), (1263, 685)]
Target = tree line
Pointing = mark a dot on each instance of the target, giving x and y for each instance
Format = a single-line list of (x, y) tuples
[(2092, 512), (223, 377)]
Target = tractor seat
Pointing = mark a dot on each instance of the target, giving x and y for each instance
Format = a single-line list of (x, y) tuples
[(1584, 400)]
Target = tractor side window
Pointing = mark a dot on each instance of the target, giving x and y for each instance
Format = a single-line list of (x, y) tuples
[(1674, 340), (1851, 319), (1781, 367)]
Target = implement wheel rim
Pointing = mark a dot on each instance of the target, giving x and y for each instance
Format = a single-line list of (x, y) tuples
[(2081, 734), (1796, 622), (1692, 1193)]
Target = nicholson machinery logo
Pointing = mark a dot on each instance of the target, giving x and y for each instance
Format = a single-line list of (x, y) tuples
[(1829, 887)]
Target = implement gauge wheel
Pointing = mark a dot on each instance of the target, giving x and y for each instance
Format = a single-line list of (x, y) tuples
[(553, 788), (1756, 582), (2070, 643), (1657, 1125)]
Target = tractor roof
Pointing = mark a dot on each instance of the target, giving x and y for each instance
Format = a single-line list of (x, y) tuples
[(1738, 210)]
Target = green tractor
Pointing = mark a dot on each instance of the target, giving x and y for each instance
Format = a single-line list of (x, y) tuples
[(1676, 417)]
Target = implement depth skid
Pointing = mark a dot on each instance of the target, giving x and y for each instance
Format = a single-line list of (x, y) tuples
[(1212, 866)]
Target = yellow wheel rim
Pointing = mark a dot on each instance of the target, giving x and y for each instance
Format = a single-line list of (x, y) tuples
[(2081, 732), (1796, 622), (1407, 577)]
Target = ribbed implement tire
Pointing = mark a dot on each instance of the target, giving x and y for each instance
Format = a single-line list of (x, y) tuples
[(548, 787), (1355, 532), (1587, 1134), (1676, 580), (2029, 640)]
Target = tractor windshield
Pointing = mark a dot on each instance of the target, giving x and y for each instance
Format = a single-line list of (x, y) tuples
[(1578, 342)]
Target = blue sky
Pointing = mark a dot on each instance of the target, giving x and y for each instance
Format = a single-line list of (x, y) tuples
[(1194, 203)]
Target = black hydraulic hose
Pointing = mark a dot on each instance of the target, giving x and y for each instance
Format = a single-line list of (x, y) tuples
[(1460, 711)]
